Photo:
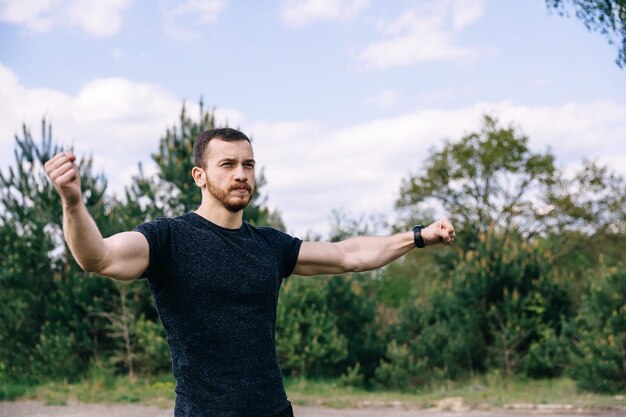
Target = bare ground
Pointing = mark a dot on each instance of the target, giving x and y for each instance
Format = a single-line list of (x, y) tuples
[(39, 409)]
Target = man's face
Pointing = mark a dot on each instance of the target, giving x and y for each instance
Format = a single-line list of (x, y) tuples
[(230, 173)]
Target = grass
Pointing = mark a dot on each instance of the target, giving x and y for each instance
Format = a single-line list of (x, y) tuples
[(485, 392), (100, 386)]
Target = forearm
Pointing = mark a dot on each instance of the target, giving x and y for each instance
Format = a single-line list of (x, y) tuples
[(364, 253), (83, 237)]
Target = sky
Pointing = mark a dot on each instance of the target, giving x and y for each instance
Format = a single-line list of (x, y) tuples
[(343, 98)]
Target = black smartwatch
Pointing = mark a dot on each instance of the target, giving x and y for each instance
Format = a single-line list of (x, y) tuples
[(417, 236)]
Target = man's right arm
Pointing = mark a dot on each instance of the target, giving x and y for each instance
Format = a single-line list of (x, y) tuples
[(123, 256)]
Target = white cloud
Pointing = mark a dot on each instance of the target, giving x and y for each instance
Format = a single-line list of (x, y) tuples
[(466, 12), (303, 12), (97, 17), (203, 10), (35, 15), (182, 19), (425, 34), (117, 120), (384, 99)]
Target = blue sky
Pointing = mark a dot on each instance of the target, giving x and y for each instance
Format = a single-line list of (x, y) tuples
[(342, 97)]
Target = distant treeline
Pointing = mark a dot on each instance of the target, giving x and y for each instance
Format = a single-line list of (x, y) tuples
[(535, 285)]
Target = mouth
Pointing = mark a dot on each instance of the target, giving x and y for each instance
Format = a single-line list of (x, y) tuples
[(241, 189)]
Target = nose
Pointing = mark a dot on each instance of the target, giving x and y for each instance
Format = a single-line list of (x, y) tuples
[(240, 174)]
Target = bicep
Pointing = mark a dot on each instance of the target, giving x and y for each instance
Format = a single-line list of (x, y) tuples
[(321, 258), (128, 256)]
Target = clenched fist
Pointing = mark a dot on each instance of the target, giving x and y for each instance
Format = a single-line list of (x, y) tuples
[(440, 231), (65, 177)]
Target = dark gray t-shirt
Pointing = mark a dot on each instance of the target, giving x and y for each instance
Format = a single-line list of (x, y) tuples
[(216, 291)]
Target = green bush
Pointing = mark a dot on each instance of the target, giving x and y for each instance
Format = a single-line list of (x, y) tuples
[(55, 355), (153, 353), (352, 378), (401, 369), (498, 308), (599, 358), (547, 356), (308, 340)]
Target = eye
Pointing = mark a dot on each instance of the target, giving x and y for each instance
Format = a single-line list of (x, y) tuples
[(227, 164)]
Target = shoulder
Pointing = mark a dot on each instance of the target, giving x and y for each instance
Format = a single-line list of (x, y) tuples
[(279, 240), (163, 226), (270, 232), (169, 221)]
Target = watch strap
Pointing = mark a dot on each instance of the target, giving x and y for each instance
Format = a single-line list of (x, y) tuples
[(417, 236)]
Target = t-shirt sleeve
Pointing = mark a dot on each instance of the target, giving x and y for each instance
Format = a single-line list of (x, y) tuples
[(289, 249), (158, 234)]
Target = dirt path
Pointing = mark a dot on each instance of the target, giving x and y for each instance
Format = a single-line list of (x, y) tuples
[(38, 409)]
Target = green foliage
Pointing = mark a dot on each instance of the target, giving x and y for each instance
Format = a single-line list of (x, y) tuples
[(11, 391), (153, 353), (43, 303), (353, 377), (401, 369), (499, 303), (599, 359), (327, 326), (605, 16), (56, 353), (309, 342), (507, 286), (592, 201), (547, 356), (485, 178), (352, 301), (586, 219)]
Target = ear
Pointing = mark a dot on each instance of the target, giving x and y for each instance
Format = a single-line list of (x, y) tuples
[(199, 176)]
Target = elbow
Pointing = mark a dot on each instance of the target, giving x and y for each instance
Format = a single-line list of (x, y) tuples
[(93, 266), (90, 268), (361, 268)]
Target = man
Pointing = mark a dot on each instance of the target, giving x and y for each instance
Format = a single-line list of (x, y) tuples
[(215, 279)]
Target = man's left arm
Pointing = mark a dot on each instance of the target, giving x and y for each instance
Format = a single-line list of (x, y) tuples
[(364, 253)]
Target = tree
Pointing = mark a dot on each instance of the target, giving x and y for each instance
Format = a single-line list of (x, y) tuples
[(488, 177), (499, 308), (45, 298), (599, 357), (585, 217), (605, 16), (309, 341)]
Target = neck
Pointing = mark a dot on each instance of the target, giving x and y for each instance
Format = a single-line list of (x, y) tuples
[(216, 213)]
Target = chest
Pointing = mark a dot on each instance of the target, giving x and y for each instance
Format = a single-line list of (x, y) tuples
[(242, 270)]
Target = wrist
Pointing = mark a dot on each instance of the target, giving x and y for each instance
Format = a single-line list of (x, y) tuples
[(418, 237), (71, 204)]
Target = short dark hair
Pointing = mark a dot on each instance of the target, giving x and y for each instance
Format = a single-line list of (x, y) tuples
[(226, 134)]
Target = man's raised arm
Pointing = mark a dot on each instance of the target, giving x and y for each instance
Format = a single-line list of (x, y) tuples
[(124, 256), (364, 253)]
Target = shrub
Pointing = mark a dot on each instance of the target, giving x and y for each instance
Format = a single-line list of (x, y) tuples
[(599, 354)]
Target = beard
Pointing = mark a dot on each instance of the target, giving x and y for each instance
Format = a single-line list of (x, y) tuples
[(231, 203)]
